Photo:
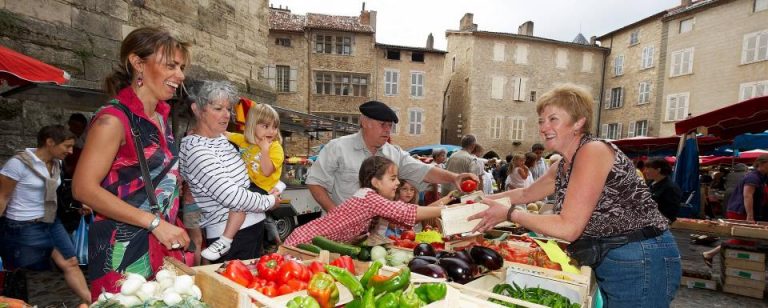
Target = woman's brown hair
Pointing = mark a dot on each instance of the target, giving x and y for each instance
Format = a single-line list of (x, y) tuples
[(142, 42)]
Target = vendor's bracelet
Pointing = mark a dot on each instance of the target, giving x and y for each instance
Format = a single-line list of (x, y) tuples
[(509, 213), (154, 224)]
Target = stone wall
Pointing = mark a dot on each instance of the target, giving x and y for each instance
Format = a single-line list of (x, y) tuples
[(472, 83), (431, 103), (717, 69), (649, 35), (83, 37)]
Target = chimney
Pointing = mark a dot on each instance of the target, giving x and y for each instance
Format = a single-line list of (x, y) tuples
[(466, 23), (526, 28), (430, 41), (685, 3), (593, 40)]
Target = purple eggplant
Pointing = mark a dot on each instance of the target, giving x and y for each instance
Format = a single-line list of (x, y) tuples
[(417, 262), (457, 269), (464, 255), (431, 260), (429, 270), (424, 249), (486, 257)]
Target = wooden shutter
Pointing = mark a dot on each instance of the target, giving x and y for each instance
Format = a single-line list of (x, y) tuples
[(604, 131), (631, 130), (292, 85)]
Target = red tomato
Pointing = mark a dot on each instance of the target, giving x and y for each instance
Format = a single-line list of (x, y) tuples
[(408, 235), (468, 186)]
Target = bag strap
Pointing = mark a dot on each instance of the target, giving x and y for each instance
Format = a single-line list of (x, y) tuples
[(136, 134)]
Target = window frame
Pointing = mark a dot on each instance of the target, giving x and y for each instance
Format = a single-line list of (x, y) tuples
[(496, 127), (417, 87), (682, 69), (613, 102), (395, 128), (753, 86), (341, 83), (517, 127), (618, 66), (644, 93), (757, 35), (667, 106), (764, 7), (333, 44), (415, 128), (646, 60), (393, 85), (282, 83), (634, 37), (693, 23)]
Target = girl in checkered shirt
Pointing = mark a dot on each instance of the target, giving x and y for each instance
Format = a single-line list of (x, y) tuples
[(375, 198)]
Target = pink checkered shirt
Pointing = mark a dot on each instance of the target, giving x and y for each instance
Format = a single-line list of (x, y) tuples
[(353, 217)]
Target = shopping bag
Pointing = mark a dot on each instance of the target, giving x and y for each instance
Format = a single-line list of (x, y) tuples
[(80, 239)]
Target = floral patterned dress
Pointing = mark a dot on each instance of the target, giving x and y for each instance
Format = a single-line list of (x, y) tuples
[(115, 247)]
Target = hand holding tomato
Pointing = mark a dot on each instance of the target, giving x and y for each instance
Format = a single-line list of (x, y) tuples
[(468, 186), (462, 177)]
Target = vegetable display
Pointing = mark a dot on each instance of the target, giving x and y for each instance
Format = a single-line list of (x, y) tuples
[(275, 275), (333, 246), (323, 288), (168, 290), (460, 266), (533, 295)]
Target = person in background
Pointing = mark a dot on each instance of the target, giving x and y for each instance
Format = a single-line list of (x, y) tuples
[(77, 124), (333, 177), (519, 174), (601, 204), (129, 234), (30, 233), (502, 172), (640, 169), (463, 162), (217, 176), (345, 223), (733, 178), (663, 190), (479, 167), (263, 156), (439, 156), (539, 166)]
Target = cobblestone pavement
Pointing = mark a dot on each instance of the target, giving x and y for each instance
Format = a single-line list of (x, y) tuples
[(47, 289)]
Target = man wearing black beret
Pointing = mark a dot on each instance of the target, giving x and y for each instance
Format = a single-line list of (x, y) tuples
[(334, 175)]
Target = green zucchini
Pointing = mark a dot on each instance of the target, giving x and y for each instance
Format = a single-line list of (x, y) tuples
[(309, 247), (333, 246)]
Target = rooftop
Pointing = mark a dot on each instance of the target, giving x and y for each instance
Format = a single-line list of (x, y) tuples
[(381, 45), (282, 19)]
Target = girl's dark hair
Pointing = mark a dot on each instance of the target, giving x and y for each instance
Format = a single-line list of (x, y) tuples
[(58, 133), (661, 164), (373, 167), (143, 42)]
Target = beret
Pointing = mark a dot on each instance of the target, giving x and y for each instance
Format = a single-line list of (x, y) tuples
[(378, 111)]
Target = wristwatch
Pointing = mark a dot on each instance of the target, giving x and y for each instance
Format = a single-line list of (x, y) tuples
[(153, 225)]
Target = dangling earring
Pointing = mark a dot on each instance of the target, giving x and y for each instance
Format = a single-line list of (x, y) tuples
[(140, 79)]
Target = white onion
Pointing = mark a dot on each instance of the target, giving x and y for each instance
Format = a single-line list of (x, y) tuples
[(171, 298), (183, 284), (163, 274), (105, 296), (165, 283), (130, 286), (129, 276), (196, 293), (150, 288), (127, 300)]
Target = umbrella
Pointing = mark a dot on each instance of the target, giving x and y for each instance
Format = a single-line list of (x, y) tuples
[(686, 177), (17, 69), (427, 149), (749, 116)]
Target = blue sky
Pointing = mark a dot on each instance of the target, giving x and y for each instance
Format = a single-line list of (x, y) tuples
[(408, 22)]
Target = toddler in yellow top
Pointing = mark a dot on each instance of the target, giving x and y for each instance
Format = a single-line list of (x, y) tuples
[(263, 156)]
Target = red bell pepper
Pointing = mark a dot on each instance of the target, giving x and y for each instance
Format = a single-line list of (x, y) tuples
[(291, 270), (346, 263), (238, 272), (269, 265), (316, 267)]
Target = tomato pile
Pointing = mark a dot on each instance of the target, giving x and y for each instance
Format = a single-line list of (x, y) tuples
[(273, 275), (523, 250), (407, 240)]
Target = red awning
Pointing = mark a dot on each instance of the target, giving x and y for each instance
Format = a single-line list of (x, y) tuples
[(652, 144), (17, 69), (750, 116)]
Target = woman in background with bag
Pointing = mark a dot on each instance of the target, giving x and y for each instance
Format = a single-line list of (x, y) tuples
[(31, 234), (134, 229), (602, 207)]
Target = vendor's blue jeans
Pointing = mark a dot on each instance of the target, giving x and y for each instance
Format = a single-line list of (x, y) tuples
[(641, 274), (27, 244)]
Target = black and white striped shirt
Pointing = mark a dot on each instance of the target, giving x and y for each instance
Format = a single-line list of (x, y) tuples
[(218, 181)]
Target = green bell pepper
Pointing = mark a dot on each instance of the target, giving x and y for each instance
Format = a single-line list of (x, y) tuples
[(397, 281), (431, 292), (373, 270), (346, 279), (388, 300), (409, 299), (303, 302)]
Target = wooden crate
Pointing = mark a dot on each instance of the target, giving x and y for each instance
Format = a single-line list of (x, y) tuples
[(745, 282), (743, 291), (743, 273), (702, 226), (744, 265), (744, 255), (698, 283), (582, 293), (749, 232)]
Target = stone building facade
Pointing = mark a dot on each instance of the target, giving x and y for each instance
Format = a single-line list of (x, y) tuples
[(632, 88), (493, 80), (328, 65), (228, 40), (717, 55), (707, 54)]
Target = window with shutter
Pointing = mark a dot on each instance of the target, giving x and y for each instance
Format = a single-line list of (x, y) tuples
[(561, 59), (394, 125), (647, 59), (497, 87), (517, 128), (415, 121), (391, 79), (682, 62), (293, 81), (586, 62), (618, 66), (604, 131), (417, 84), (498, 52), (521, 54), (755, 47), (631, 130), (644, 93), (677, 106)]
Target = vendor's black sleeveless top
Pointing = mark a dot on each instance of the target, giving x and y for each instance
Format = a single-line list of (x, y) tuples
[(625, 204)]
